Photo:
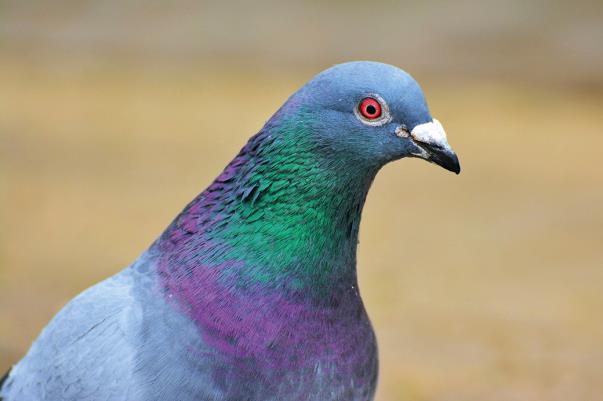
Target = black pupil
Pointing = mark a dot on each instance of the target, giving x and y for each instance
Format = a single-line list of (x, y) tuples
[(370, 109)]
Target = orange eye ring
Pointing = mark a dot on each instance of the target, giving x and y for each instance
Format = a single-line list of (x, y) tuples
[(370, 108)]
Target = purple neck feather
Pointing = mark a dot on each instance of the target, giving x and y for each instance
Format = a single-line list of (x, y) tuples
[(263, 261)]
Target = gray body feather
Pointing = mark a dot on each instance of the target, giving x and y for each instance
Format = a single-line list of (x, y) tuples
[(273, 238), (120, 341)]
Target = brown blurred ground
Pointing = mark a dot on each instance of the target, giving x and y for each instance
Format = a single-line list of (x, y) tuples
[(484, 286)]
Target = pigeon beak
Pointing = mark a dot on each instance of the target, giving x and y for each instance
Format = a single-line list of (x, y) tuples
[(430, 140)]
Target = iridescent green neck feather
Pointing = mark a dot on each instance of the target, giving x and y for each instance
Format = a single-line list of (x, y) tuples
[(284, 207)]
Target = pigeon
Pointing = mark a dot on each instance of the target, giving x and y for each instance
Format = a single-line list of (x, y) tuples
[(251, 293)]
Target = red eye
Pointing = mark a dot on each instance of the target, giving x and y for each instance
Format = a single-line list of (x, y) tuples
[(369, 108)]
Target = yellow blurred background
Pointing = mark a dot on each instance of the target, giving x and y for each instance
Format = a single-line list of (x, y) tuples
[(485, 286)]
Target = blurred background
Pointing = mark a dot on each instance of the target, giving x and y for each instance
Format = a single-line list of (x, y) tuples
[(484, 286)]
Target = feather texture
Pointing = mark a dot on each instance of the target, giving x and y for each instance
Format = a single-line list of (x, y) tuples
[(251, 292)]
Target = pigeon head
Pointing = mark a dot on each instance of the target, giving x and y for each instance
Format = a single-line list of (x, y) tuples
[(367, 114)]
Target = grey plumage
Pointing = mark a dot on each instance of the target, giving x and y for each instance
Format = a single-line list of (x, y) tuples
[(93, 334), (251, 293)]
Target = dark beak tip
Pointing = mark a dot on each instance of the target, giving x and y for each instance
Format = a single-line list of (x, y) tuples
[(442, 156), (456, 168), (449, 161)]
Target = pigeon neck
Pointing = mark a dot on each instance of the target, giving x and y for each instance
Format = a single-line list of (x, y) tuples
[(282, 216)]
